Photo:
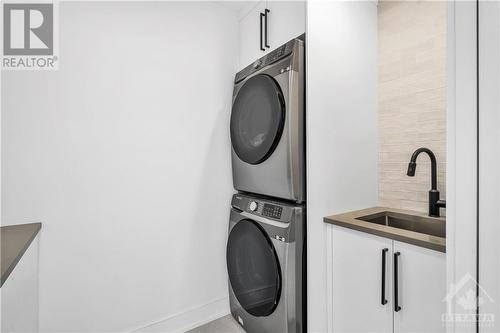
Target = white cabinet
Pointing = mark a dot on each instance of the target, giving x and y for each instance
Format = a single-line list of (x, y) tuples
[(422, 288), (357, 282), (250, 36), (285, 21), (362, 302), (19, 294)]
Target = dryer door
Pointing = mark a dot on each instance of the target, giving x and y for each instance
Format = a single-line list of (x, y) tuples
[(253, 267), (257, 119)]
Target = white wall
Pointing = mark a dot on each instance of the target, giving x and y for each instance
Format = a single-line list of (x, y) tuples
[(489, 159), (341, 128), (124, 155), (461, 150)]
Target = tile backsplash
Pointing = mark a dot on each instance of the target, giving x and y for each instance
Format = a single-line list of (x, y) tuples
[(411, 99)]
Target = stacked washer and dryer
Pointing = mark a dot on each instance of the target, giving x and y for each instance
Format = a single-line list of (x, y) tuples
[(266, 248)]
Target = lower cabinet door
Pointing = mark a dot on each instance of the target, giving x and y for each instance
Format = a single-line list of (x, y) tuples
[(421, 286), (358, 294)]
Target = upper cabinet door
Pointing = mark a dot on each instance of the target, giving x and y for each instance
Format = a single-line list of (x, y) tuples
[(285, 21), (358, 291), (421, 289), (250, 36)]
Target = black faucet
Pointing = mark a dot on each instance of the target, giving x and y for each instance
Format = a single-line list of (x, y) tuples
[(434, 202)]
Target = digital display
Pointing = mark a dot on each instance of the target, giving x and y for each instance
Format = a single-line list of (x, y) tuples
[(272, 211)]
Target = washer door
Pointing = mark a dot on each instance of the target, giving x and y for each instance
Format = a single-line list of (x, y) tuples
[(253, 267), (257, 119)]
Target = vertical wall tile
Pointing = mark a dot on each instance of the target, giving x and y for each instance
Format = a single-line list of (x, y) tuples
[(411, 99)]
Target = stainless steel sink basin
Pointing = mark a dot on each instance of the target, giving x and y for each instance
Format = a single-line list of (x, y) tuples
[(420, 224), (402, 225)]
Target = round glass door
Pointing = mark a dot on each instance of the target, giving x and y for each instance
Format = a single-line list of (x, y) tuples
[(257, 119), (253, 267)]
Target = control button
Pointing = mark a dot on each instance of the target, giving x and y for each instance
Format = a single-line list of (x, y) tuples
[(257, 64), (272, 211), (253, 206), (278, 237)]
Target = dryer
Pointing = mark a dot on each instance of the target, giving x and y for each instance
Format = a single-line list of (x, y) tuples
[(268, 125), (266, 263)]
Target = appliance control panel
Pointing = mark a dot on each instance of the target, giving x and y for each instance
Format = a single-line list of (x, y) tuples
[(279, 53), (262, 207), (273, 56), (271, 210)]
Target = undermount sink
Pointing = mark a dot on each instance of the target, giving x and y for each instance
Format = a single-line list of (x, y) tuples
[(425, 225)]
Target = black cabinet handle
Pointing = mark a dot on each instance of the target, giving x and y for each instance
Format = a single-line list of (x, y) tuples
[(261, 46), (397, 307), (382, 297), (266, 11)]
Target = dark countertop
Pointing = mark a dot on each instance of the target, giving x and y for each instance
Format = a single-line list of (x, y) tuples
[(350, 220), (15, 240)]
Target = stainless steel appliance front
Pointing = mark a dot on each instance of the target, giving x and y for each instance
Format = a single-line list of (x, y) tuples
[(268, 125), (266, 263)]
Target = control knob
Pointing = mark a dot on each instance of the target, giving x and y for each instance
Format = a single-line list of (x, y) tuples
[(257, 64), (253, 206)]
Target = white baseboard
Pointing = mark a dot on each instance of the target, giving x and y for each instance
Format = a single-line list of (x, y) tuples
[(189, 319)]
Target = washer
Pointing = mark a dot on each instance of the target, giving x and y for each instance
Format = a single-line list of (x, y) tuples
[(268, 126), (266, 263)]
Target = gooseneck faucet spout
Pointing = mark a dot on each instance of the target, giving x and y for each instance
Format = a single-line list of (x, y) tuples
[(434, 202), (412, 166)]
